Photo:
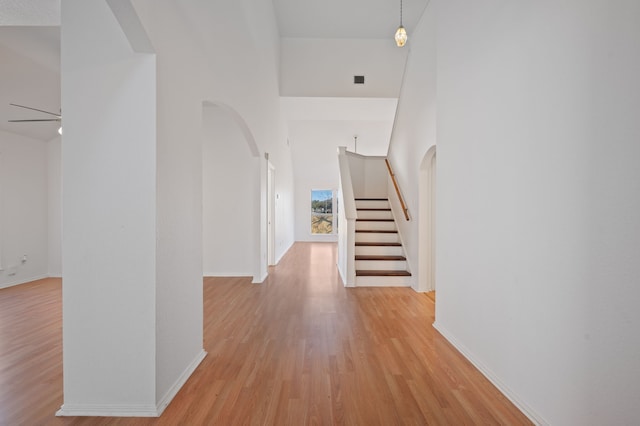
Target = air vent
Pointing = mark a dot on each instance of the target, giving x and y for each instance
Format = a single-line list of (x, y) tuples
[(358, 79)]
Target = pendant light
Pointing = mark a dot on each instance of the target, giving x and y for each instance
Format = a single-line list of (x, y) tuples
[(401, 33)]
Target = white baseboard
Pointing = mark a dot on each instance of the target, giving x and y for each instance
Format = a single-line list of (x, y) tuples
[(279, 258), (23, 281), (254, 279), (260, 280), (493, 378), (173, 390), (107, 410), (227, 274), (342, 277)]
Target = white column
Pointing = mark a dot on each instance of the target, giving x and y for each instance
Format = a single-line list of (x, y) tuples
[(132, 307)]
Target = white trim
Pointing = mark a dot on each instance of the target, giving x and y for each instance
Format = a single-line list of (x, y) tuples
[(367, 157), (1, 221), (342, 275), (278, 259), (271, 213), (173, 390), (426, 222), (492, 377), (24, 281), (396, 209), (108, 410), (260, 280), (227, 274)]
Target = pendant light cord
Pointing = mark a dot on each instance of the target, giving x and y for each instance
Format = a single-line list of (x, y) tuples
[(400, 12)]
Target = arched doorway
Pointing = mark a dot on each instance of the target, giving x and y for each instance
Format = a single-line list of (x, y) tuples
[(427, 222), (231, 192)]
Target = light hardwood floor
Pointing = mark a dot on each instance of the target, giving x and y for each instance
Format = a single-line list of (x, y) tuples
[(298, 349)]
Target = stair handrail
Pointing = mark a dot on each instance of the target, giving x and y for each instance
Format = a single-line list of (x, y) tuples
[(405, 210)]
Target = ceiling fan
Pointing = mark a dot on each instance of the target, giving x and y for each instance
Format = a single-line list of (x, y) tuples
[(58, 117)]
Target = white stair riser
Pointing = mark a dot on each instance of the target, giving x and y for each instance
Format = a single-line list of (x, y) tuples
[(379, 251), (372, 204), (374, 214), (376, 237), (377, 226), (382, 265), (383, 281)]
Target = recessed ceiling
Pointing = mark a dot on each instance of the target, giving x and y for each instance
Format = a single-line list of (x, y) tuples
[(346, 18)]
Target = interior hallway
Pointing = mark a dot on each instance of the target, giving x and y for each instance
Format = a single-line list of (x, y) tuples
[(298, 349)]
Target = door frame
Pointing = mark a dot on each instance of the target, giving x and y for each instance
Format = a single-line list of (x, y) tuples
[(271, 214), (427, 222)]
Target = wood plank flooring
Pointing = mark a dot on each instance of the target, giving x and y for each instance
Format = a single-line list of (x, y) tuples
[(299, 349)]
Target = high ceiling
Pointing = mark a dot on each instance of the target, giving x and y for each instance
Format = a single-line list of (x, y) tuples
[(346, 18), (30, 46), (29, 75), (30, 12)]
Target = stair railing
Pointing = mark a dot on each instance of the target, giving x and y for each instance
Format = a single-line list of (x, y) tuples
[(405, 210)]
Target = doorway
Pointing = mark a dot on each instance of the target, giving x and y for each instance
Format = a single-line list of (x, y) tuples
[(271, 213), (427, 223)]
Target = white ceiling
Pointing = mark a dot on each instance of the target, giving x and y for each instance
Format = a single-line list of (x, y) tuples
[(30, 55), (363, 19), (30, 12), (29, 75), (319, 124)]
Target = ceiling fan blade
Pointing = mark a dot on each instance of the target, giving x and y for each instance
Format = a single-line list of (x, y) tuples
[(27, 121), (36, 109)]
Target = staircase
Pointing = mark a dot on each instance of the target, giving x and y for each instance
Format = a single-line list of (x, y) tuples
[(379, 256)]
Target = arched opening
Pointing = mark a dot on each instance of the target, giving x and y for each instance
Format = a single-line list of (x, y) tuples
[(427, 222), (230, 194)]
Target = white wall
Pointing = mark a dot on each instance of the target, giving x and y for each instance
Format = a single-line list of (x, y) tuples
[(244, 76), (195, 64), (54, 207), (325, 67), (368, 176), (23, 209), (538, 194), (315, 167), (178, 297), (317, 127), (109, 218), (230, 184), (414, 133)]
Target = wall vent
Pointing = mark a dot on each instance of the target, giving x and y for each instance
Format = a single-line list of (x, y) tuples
[(358, 79)]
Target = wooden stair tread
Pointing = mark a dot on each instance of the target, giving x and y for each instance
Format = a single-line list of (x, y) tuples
[(374, 220), (370, 244), (380, 273), (374, 257), (376, 231)]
